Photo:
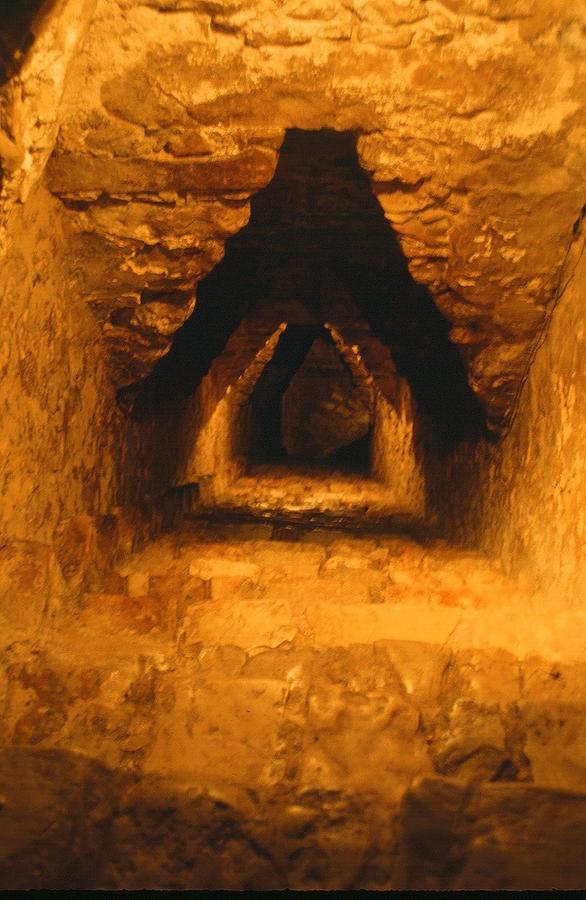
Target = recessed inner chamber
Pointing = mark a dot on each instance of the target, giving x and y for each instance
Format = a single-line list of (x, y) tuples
[(317, 252)]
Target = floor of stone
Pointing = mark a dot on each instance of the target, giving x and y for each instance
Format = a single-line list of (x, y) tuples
[(325, 587), (302, 488), (303, 682)]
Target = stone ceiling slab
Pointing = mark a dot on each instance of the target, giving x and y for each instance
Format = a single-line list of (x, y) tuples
[(471, 123)]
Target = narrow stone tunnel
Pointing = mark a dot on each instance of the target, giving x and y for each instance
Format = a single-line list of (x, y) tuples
[(317, 250), (292, 522), (307, 407)]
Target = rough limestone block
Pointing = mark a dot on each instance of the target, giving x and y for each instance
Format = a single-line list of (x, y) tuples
[(251, 170), (76, 548), (187, 833), (553, 709), (250, 625), (287, 559), (352, 562), (355, 571), (56, 810), (235, 587), (26, 579), (492, 836), (138, 584), (419, 667), (371, 549), (301, 592), (353, 623), (353, 731), (226, 730), (115, 611), (218, 567), (176, 593)]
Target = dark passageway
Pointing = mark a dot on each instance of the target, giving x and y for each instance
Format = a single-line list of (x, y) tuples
[(292, 534), (318, 234), (305, 407)]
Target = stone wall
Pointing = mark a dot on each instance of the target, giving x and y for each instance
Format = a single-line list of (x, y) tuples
[(230, 710), (470, 118), (38, 43), (211, 437), (395, 453), (210, 442), (323, 409), (64, 445), (523, 500)]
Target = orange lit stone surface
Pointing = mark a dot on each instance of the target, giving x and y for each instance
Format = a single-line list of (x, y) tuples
[(294, 688), (274, 617)]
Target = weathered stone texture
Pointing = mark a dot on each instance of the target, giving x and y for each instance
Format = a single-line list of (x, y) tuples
[(323, 408), (259, 707), (214, 443), (56, 806), (73, 174), (493, 95), (59, 418), (30, 102), (492, 837), (524, 498), (29, 577), (244, 717), (87, 827)]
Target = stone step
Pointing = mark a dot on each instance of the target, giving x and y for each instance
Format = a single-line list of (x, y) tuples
[(381, 569), (301, 591), (290, 613), (92, 825), (312, 621)]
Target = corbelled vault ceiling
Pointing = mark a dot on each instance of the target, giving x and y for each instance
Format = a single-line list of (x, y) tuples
[(469, 122)]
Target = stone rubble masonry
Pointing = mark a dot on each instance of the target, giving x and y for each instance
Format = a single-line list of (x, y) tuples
[(458, 837), (243, 712), (36, 578), (324, 408), (65, 447), (212, 447), (522, 500), (162, 116)]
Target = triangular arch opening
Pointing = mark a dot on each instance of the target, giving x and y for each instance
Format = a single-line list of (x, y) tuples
[(244, 442), (311, 406), (318, 233), (317, 250)]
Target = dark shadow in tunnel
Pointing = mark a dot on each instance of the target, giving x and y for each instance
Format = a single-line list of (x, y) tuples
[(17, 18), (264, 408), (265, 400), (318, 234)]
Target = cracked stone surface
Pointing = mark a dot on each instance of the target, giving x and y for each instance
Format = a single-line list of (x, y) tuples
[(323, 408), (258, 712), (471, 126), (286, 706)]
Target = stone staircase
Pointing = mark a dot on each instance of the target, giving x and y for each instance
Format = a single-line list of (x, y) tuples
[(252, 706)]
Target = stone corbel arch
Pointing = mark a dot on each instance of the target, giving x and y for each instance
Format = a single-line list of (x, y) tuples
[(212, 441), (186, 123), (395, 452)]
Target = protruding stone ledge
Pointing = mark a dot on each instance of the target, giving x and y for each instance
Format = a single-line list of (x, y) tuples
[(71, 173)]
